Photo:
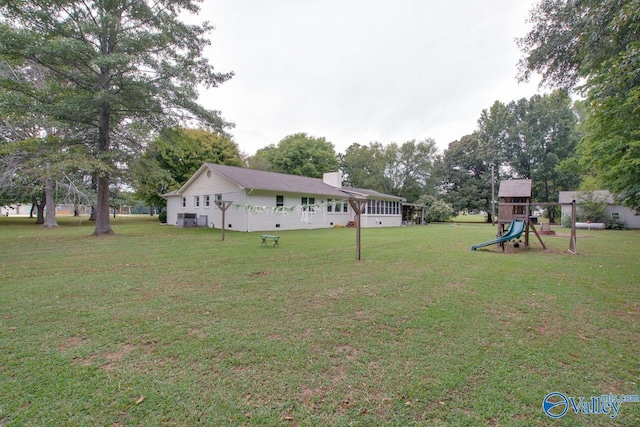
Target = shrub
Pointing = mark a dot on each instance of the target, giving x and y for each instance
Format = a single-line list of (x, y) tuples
[(163, 217), (616, 224), (437, 210)]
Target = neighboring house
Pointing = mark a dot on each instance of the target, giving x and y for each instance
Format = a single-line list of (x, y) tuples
[(269, 201), (17, 209), (612, 211)]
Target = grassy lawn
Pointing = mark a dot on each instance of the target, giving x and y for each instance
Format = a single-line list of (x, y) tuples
[(164, 326), (469, 218)]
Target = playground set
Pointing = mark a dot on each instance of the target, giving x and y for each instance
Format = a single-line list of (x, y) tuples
[(515, 219)]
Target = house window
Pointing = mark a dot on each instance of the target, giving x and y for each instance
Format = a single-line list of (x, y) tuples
[(184, 202), (330, 205), (279, 201), (218, 197), (345, 207), (196, 201), (307, 203), (207, 201), (615, 215)]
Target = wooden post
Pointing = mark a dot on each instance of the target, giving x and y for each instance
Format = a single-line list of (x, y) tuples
[(572, 239), (358, 206), (223, 205), (527, 213)]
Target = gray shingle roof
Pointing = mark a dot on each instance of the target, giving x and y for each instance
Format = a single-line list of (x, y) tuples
[(578, 196), (272, 181), (280, 182), (515, 188)]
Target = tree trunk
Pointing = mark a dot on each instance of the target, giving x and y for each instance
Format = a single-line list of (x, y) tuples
[(103, 222), (50, 206), (39, 207)]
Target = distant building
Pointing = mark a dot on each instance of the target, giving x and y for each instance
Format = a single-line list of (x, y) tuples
[(612, 211)]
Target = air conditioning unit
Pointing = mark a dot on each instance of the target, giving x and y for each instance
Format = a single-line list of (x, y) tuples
[(187, 220)]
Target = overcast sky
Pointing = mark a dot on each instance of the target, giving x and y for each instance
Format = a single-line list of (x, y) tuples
[(363, 70)]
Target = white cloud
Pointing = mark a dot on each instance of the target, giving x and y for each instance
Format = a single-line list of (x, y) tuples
[(362, 71)]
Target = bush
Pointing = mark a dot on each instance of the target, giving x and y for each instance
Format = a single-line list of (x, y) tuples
[(163, 217), (437, 210), (616, 224), (591, 207)]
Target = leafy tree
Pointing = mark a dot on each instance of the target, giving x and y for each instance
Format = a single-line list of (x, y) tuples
[(466, 166), (576, 39), (181, 152), (438, 210), (597, 44), (304, 155), (260, 160), (174, 156), (109, 64), (405, 170), (151, 181), (363, 166), (410, 168), (531, 138)]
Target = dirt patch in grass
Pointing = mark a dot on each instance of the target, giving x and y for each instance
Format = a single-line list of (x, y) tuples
[(259, 274), (114, 358), (71, 343)]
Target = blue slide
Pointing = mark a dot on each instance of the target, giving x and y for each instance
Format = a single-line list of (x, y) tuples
[(515, 230)]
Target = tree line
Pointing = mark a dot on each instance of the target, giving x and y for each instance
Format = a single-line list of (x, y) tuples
[(97, 97)]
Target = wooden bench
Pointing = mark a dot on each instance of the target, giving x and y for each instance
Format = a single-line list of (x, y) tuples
[(266, 237)]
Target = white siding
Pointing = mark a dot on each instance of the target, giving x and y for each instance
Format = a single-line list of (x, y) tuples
[(292, 217), (213, 184), (174, 205)]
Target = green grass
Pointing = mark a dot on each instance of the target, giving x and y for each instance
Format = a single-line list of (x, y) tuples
[(164, 326), (478, 218)]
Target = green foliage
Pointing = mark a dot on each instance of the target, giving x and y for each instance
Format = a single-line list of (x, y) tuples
[(615, 224), (151, 181), (466, 171), (364, 166), (260, 160), (405, 170), (611, 146), (598, 42), (108, 66), (574, 39), (174, 156), (181, 152), (534, 138), (438, 210), (303, 155), (162, 216), (591, 207)]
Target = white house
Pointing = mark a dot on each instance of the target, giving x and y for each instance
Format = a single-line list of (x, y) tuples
[(269, 201), (612, 211)]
